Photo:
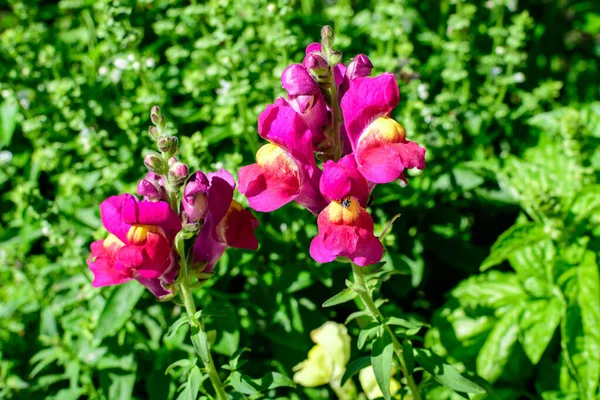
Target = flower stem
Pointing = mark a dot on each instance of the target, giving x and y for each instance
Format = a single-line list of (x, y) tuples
[(369, 304), (196, 325), (337, 120)]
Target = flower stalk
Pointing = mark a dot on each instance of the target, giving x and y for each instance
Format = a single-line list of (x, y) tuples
[(367, 300), (196, 325)]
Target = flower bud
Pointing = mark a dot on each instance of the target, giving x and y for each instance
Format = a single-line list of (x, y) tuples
[(195, 197), (155, 163), (178, 172), (167, 144), (152, 187), (153, 131), (327, 37), (360, 66), (156, 117)]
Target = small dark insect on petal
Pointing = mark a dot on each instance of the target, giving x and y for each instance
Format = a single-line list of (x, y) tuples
[(346, 202)]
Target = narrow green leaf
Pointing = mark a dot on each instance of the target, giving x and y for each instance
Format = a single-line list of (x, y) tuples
[(367, 333), (409, 356), (193, 383), (118, 309), (381, 360), (342, 297), (184, 363), (354, 368), (403, 323), (354, 315), (176, 326), (200, 343), (8, 121), (515, 238), (495, 352), (538, 323), (445, 373)]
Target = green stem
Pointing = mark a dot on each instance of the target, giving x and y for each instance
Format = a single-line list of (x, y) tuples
[(369, 304), (337, 119), (187, 297)]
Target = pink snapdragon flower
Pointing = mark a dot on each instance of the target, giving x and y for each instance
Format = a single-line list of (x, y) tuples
[(345, 227), (226, 223), (378, 141), (139, 245), (305, 97), (285, 169)]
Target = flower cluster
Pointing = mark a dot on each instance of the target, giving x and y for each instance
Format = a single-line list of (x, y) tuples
[(342, 115), (141, 243)]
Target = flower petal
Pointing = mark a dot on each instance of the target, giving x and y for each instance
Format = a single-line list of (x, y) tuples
[(102, 263), (366, 100)]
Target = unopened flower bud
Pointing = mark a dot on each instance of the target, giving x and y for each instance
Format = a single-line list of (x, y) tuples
[(360, 66), (151, 187), (178, 172), (327, 37), (315, 61), (156, 117), (153, 131), (335, 58), (195, 197), (155, 163), (167, 144)]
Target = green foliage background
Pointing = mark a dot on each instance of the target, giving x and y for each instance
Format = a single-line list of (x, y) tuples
[(503, 94)]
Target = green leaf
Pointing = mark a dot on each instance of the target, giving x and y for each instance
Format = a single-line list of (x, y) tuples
[(403, 323), (354, 368), (490, 291), (228, 338), (356, 314), (589, 303), (538, 323), (184, 363), (382, 354), (121, 386), (409, 357), (118, 309), (367, 333), (342, 297), (242, 384), (272, 380), (586, 203), (200, 343), (176, 326), (515, 238), (496, 350), (445, 373), (8, 121), (193, 383)]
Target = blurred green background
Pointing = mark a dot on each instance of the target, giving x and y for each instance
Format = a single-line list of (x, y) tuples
[(502, 93)]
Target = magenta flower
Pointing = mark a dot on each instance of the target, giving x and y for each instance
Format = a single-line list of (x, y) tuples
[(285, 169), (379, 143), (305, 97), (194, 203), (359, 67), (345, 227), (346, 230), (139, 245), (341, 179), (152, 187), (226, 223)]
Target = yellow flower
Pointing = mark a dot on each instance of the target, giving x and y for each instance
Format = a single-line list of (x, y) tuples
[(369, 384), (327, 360)]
